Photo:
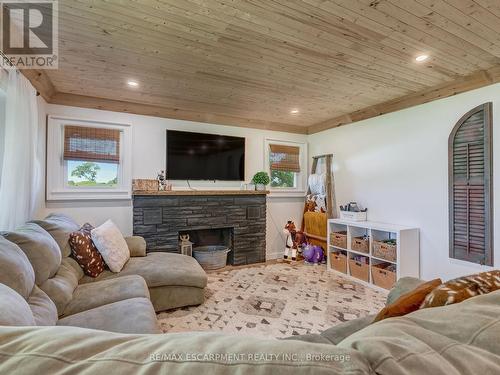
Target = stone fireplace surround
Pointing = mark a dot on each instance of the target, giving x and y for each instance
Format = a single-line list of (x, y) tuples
[(237, 217)]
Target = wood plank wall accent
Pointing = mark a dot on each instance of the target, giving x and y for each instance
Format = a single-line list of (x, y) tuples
[(470, 187), (249, 63)]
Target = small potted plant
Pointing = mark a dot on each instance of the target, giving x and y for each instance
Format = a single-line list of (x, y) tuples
[(261, 180)]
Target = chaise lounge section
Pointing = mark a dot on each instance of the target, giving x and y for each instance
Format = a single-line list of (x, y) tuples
[(173, 280)]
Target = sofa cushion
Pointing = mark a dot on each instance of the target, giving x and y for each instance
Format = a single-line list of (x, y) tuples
[(14, 308), (309, 337), (134, 315), (43, 309), (110, 242), (40, 248), (73, 267), (89, 296), (136, 246), (15, 269), (84, 251), (59, 227), (409, 301), (159, 269), (169, 297), (402, 286), (339, 332), (457, 339), (60, 288)]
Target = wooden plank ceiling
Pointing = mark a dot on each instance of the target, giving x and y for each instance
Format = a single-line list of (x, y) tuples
[(250, 63)]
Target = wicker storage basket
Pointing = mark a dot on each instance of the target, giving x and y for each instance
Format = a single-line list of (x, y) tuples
[(360, 244), (211, 257), (339, 239), (384, 251), (338, 262), (383, 277), (359, 269)]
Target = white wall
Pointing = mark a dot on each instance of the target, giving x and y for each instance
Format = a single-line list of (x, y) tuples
[(149, 157), (396, 165)]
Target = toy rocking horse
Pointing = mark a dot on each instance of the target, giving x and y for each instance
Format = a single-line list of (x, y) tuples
[(294, 240)]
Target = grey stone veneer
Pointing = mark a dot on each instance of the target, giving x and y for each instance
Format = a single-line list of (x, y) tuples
[(160, 218)]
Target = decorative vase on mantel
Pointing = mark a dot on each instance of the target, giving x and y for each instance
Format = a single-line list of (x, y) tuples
[(260, 187)]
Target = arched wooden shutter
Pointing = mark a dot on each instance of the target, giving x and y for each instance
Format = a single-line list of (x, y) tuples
[(470, 187)]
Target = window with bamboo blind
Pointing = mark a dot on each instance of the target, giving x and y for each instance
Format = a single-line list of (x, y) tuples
[(470, 187), (88, 159), (286, 165)]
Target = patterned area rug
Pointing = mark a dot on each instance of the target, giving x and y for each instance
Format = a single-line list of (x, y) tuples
[(275, 300)]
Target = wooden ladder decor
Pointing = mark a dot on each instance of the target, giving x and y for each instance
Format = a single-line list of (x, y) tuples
[(331, 207)]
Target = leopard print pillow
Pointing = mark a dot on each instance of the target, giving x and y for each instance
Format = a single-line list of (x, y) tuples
[(84, 251), (462, 288)]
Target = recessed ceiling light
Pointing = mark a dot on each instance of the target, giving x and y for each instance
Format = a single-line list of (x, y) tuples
[(294, 111), (421, 58), (132, 83)]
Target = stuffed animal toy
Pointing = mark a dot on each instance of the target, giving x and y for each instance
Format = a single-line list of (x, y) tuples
[(294, 240), (313, 254), (310, 205), (319, 255), (316, 203), (308, 253)]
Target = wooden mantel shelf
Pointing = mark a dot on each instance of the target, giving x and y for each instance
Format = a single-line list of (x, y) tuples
[(201, 192)]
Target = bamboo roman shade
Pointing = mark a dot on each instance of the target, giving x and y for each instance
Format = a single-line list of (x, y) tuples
[(284, 158), (470, 168), (91, 144)]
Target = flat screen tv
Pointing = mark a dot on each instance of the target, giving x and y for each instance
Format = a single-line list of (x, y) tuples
[(198, 156)]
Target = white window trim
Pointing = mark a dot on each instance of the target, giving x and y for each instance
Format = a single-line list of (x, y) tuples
[(57, 187), (301, 189)]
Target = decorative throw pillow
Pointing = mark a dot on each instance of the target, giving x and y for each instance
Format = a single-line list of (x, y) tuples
[(462, 288), (110, 242), (84, 251), (408, 302)]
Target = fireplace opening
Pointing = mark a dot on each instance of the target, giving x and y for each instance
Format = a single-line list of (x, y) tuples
[(212, 237)]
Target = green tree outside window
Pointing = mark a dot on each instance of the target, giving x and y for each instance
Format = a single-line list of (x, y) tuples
[(86, 171), (281, 179)]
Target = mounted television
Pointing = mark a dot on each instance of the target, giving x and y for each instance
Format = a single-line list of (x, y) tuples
[(198, 156)]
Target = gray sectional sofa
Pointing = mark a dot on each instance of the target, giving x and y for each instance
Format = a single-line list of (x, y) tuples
[(35, 264), (458, 339), (103, 327)]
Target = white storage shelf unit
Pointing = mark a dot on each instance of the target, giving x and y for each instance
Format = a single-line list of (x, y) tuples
[(407, 260)]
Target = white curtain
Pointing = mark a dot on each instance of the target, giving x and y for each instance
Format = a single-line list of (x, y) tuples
[(20, 172)]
